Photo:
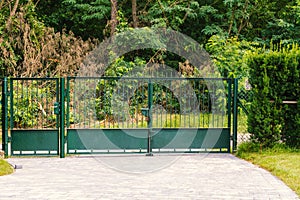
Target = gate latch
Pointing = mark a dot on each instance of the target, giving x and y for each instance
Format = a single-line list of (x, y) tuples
[(56, 108), (145, 112)]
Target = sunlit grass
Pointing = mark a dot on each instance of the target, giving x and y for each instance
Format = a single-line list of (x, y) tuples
[(281, 162), (160, 120), (242, 123), (5, 168)]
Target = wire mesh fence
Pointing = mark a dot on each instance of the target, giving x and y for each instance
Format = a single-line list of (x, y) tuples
[(244, 99)]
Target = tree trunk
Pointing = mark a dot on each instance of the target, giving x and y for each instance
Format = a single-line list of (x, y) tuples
[(114, 15), (134, 17)]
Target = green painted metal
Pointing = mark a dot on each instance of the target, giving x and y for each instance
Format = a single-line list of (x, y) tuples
[(34, 127), (68, 102), (106, 140), (149, 122), (136, 140), (62, 118), (206, 125), (235, 114), (191, 140), (97, 122), (4, 117), (11, 99), (34, 142), (229, 103)]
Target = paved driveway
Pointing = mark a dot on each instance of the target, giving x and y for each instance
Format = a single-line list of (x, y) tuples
[(192, 176)]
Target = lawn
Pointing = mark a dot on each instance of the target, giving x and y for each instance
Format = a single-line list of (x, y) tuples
[(281, 162), (5, 168)]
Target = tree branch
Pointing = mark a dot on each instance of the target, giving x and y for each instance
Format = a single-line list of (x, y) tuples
[(12, 13), (134, 17)]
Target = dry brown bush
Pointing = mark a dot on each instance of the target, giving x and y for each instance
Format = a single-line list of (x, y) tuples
[(29, 49)]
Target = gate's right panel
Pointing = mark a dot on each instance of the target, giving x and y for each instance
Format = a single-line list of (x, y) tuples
[(191, 115)]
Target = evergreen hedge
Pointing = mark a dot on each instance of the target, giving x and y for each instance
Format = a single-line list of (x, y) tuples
[(274, 77)]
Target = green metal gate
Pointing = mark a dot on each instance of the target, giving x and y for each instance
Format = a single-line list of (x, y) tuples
[(145, 115), (34, 122), (117, 115)]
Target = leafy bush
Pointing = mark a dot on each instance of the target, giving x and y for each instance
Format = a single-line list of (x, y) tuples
[(274, 77)]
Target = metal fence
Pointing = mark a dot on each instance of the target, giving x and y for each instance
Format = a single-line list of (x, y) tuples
[(46, 116), (118, 102), (244, 99)]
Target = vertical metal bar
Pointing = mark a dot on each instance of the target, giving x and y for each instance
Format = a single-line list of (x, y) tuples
[(235, 114), (74, 103), (94, 101), (11, 95), (4, 118), (229, 107), (62, 118), (150, 101), (68, 103), (203, 103), (31, 90), (213, 102), (28, 102)]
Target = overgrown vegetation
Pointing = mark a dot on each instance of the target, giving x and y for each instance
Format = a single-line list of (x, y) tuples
[(30, 49), (43, 38), (280, 160), (51, 39), (274, 113)]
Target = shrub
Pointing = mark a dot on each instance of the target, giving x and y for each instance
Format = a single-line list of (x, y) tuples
[(274, 77)]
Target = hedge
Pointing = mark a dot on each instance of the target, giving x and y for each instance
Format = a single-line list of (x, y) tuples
[(274, 114)]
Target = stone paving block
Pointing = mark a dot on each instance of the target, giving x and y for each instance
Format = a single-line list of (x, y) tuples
[(193, 176)]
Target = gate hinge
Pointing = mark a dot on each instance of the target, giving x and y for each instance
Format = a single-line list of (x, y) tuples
[(56, 108)]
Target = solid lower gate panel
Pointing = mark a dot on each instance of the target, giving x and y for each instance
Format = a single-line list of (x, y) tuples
[(82, 141), (93, 141), (34, 142), (192, 140)]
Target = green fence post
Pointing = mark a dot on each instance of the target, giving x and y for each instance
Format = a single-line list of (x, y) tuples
[(62, 118), (150, 102), (229, 107), (68, 102), (235, 113), (4, 118)]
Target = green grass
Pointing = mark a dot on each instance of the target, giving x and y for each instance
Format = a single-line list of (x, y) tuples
[(203, 120), (242, 123), (280, 161), (5, 168)]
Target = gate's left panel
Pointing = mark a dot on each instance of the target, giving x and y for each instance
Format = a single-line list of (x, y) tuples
[(33, 123)]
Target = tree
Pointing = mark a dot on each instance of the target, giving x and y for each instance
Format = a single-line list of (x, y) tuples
[(28, 48), (114, 16)]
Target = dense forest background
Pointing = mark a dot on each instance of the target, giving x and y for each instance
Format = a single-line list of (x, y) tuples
[(51, 38)]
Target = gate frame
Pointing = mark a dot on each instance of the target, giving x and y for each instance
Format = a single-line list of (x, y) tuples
[(8, 96), (232, 102)]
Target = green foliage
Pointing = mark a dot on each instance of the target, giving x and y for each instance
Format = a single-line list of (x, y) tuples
[(274, 77), (247, 147), (107, 88), (33, 106), (171, 14), (229, 55)]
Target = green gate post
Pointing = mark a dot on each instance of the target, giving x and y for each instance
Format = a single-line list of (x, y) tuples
[(229, 106), (4, 118), (235, 113), (62, 118), (150, 101)]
